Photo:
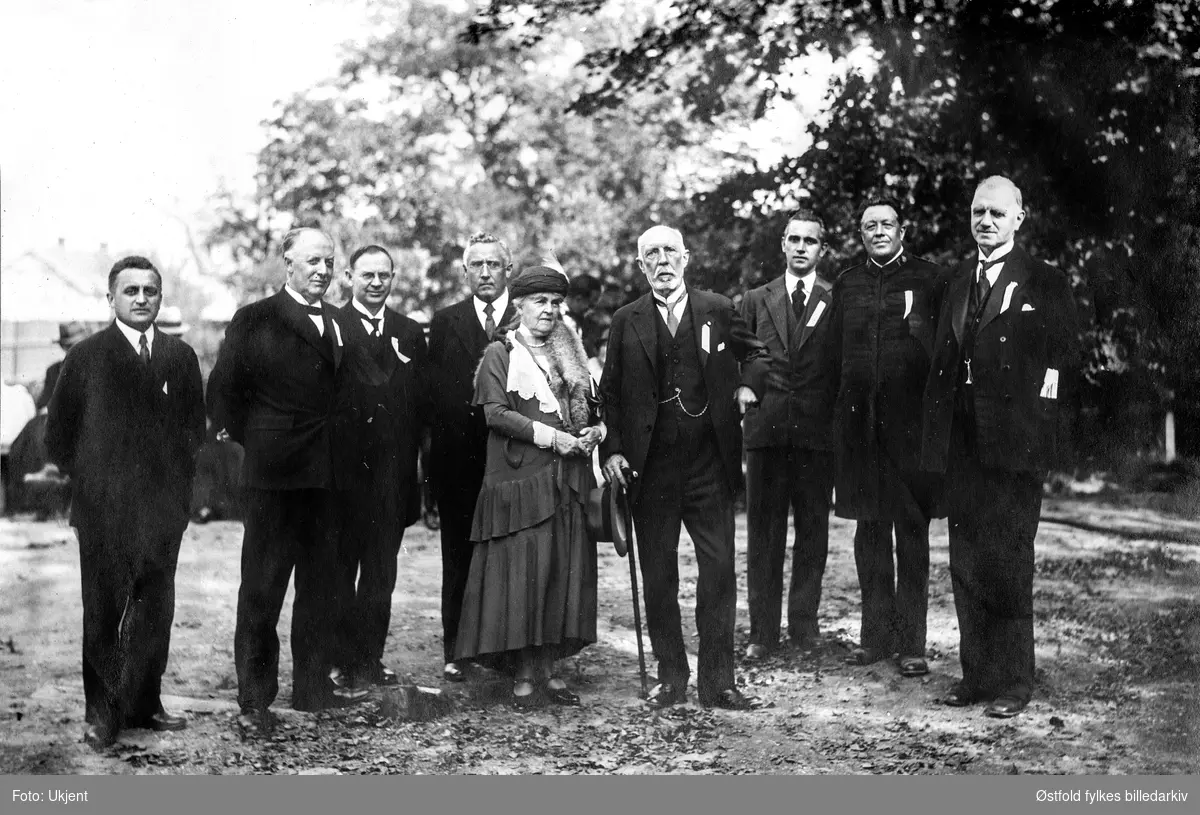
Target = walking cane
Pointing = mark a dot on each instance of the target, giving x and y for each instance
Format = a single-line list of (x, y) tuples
[(637, 606)]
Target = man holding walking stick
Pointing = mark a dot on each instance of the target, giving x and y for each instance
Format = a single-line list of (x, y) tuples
[(680, 370)]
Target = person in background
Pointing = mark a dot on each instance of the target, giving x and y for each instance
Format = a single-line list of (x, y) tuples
[(457, 336)]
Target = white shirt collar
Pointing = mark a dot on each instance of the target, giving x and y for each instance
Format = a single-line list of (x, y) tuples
[(134, 336), (298, 297), (361, 309), (1000, 251), (498, 307), (790, 280), (673, 300)]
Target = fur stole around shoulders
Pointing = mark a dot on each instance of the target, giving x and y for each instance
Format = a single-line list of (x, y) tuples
[(567, 380)]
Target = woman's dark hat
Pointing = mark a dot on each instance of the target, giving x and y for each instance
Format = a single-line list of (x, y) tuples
[(538, 279), (608, 517)]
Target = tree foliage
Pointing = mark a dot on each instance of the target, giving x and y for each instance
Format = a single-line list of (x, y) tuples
[(425, 137), (1089, 105)]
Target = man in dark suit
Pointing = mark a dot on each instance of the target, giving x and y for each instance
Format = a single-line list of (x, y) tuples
[(124, 423), (272, 391), (375, 442), (680, 370), (789, 444), (457, 336), (1005, 357), (884, 312)]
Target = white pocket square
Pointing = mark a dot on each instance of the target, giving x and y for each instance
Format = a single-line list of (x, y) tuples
[(1027, 307), (720, 347), (1050, 384)]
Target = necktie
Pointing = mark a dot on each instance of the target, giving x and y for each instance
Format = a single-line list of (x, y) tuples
[(489, 322), (798, 297), (374, 325), (672, 320), (982, 285), (144, 350)]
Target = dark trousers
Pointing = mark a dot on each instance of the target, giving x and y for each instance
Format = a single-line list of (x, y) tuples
[(456, 509), (286, 529), (370, 532), (779, 479), (993, 521), (128, 607), (895, 600), (684, 484)]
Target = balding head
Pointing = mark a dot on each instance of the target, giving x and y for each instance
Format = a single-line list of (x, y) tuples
[(997, 212), (662, 258)]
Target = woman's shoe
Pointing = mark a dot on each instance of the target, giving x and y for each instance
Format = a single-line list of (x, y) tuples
[(534, 699)]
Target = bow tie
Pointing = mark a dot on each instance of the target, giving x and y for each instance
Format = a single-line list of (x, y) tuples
[(315, 311)]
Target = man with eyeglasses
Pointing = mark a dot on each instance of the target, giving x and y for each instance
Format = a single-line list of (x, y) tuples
[(458, 335), (886, 309), (681, 369), (375, 441), (272, 391)]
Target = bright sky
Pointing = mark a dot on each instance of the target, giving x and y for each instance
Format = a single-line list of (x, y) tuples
[(118, 115)]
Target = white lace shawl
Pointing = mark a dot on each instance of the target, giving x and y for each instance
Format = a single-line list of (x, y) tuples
[(527, 379)]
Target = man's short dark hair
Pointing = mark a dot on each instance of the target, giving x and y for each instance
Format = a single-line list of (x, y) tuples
[(372, 249), (883, 201), (810, 215), (132, 262)]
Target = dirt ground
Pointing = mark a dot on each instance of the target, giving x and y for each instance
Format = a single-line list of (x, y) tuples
[(1118, 649)]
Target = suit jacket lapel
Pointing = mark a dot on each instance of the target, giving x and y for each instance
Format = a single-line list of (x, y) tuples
[(959, 295), (645, 314), (820, 299), (778, 305)]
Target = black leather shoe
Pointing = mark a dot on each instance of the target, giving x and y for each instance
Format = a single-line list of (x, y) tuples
[(160, 722), (378, 675), (960, 695), (864, 656), (99, 736), (666, 694), (453, 673), (912, 666), (731, 699), (1005, 707)]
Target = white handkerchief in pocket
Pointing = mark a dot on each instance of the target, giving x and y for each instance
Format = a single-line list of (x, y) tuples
[(816, 315), (1027, 307), (1050, 384), (908, 301), (720, 347)]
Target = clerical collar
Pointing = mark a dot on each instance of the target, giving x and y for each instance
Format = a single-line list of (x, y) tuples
[(895, 258), (361, 309), (999, 252)]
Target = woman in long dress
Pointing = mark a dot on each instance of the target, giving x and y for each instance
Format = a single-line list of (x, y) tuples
[(531, 590)]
